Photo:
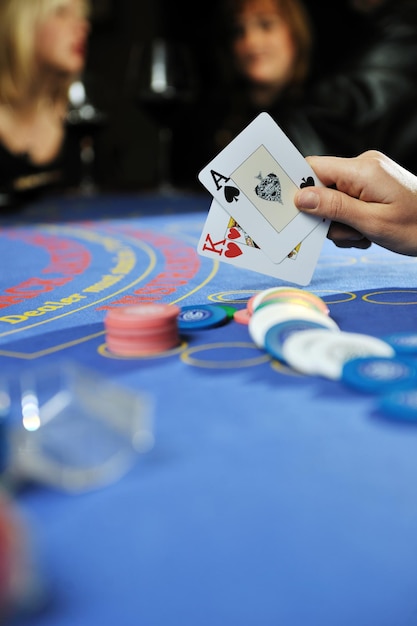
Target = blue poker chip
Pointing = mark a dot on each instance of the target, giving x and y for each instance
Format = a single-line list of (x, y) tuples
[(400, 405), (404, 342), (201, 316), (277, 335), (377, 374)]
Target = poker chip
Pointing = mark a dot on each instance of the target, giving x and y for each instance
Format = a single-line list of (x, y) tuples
[(201, 316), (403, 342), (242, 316), (294, 297), (324, 352), (258, 297), (230, 310), (379, 374), (289, 295), (300, 350), (250, 302), (142, 330), (131, 346), (141, 316), (400, 405), (263, 319), (335, 351), (279, 333), (9, 538)]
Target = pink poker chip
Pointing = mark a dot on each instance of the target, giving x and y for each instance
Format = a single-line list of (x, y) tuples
[(242, 316), (143, 332), (143, 329), (251, 302), (127, 347), (141, 315)]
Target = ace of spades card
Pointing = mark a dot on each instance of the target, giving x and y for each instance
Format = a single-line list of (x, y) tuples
[(223, 239), (255, 179)]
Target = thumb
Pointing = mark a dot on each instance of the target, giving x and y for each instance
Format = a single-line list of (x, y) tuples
[(324, 202)]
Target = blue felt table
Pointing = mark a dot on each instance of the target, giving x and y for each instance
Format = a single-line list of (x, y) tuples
[(269, 498)]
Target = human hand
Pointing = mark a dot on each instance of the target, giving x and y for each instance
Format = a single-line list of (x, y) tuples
[(374, 200)]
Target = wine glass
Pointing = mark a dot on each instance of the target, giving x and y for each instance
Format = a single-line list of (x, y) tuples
[(86, 120), (163, 83)]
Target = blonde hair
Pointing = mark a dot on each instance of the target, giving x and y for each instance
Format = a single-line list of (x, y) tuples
[(18, 20), (300, 26)]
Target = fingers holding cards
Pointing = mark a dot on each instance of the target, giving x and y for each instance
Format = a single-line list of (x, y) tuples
[(253, 222)]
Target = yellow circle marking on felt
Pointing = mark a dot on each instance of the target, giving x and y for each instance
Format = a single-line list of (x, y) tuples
[(348, 296), (367, 297), (224, 296), (187, 357)]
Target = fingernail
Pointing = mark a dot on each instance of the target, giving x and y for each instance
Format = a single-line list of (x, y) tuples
[(307, 200)]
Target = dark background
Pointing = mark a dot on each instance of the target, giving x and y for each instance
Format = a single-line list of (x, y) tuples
[(126, 147)]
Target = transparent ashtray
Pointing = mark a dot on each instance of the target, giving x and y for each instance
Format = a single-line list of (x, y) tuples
[(72, 428)]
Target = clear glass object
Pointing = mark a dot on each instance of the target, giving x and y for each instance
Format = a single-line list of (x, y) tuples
[(87, 120), (71, 428), (163, 82)]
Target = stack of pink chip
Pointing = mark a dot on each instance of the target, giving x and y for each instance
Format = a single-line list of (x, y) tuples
[(143, 329)]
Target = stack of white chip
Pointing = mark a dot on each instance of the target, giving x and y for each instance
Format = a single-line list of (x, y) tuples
[(324, 353), (294, 326)]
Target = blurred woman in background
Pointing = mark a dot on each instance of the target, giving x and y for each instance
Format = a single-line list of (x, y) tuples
[(270, 43), (42, 51), (262, 55)]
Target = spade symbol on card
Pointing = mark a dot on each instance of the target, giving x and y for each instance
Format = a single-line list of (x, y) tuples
[(232, 250), (307, 182), (231, 193), (269, 188)]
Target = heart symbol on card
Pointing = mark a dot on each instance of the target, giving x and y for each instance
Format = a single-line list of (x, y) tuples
[(232, 250), (231, 193), (233, 233)]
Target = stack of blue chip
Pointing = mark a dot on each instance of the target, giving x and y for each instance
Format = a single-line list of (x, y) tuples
[(201, 316), (394, 379)]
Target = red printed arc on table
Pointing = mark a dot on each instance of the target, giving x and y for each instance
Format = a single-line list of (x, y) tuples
[(179, 264), (67, 257)]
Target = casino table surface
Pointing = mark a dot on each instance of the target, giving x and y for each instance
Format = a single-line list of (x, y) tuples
[(268, 498)]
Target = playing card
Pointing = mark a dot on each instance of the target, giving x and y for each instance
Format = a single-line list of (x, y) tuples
[(223, 239), (255, 179)]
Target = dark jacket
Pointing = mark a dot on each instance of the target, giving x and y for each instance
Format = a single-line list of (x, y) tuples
[(371, 101)]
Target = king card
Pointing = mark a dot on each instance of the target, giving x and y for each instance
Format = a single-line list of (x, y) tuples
[(255, 179), (223, 239)]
